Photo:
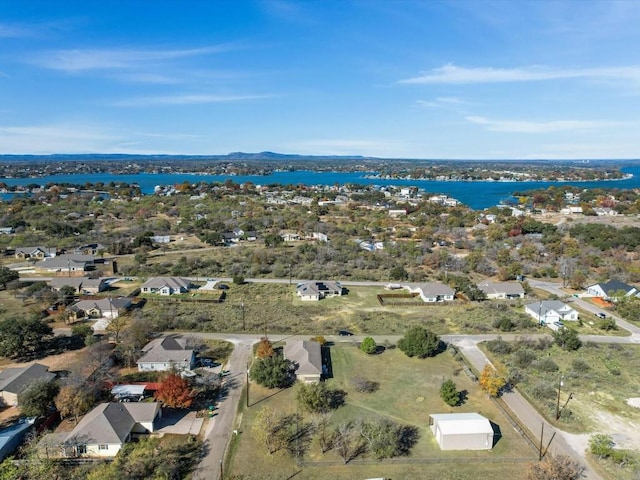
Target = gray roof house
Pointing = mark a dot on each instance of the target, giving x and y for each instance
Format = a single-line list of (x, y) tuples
[(550, 312), (67, 264), (166, 285), (501, 290), (611, 289), (307, 357), (108, 307), (432, 292), (39, 252), (84, 285), (166, 353), (15, 380), (104, 430), (314, 290)]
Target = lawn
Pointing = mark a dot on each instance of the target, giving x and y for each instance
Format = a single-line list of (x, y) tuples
[(407, 393)]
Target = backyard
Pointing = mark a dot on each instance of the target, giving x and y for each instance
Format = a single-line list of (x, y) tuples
[(408, 392)]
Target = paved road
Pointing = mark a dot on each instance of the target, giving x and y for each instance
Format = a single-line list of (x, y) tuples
[(220, 430)]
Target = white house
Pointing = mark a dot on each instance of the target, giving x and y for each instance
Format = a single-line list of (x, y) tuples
[(15, 380), (166, 353), (612, 289), (432, 292), (104, 430), (548, 312), (108, 307), (315, 291), (461, 431), (501, 290), (166, 285)]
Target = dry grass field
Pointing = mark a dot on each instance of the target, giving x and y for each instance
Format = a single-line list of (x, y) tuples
[(408, 393)]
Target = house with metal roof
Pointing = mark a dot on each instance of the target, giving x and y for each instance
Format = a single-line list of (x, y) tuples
[(15, 380), (167, 353), (501, 290), (70, 264), (166, 285), (462, 431), (307, 358), (83, 285), (104, 430)]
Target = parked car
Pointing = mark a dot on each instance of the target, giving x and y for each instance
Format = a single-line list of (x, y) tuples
[(223, 286), (344, 333), (601, 315)]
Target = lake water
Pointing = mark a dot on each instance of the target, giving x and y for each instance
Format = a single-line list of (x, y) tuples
[(477, 195)]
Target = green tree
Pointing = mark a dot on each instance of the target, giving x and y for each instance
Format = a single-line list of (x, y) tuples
[(398, 273), (567, 339), (368, 345), (37, 399), (7, 276), (419, 342), (75, 400), (18, 337), (273, 372), (318, 397), (449, 393)]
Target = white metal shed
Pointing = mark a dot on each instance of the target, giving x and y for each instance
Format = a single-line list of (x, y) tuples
[(462, 431)]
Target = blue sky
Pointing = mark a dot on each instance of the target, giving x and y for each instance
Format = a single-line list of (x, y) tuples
[(398, 79)]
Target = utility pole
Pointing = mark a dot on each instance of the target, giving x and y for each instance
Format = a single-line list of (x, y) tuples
[(221, 471), (247, 384), (289, 274), (560, 384), (242, 307)]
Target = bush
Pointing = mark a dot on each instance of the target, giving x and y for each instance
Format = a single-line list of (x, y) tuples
[(273, 372), (601, 445), (543, 390), (523, 358), (449, 393), (504, 324), (499, 346), (579, 365), (567, 339), (545, 365), (368, 345), (418, 342), (319, 338)]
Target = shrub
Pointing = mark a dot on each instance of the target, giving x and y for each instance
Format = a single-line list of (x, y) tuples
[(579, 365), (523, 358), (449, 393), (368, 345), (319, 338), (504, 324), (601, 445), (418, 342), (543, 390), (545, 365), (499, 346)]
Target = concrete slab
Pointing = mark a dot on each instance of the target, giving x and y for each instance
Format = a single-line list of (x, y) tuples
[(179, 422)]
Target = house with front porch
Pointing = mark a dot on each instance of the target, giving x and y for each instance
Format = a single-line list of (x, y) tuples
[(109, 307), (167, 353), (315, 290), (501, 290)]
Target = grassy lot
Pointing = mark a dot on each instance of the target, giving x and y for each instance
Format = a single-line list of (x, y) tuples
[(274, 308), (408, 392), (600, 378)]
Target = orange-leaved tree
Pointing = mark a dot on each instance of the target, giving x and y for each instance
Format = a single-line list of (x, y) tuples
[(264, 348), (491, 381), (175, 392)]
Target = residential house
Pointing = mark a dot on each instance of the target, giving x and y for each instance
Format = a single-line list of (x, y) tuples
[(7, 230), (549, 312), (501, 290), (83, 285), (67, 264), (307, 358), (290, 237), (315, 291), (321, 237), (462, 431), (167, 353), (35, 252), (15, 380), (90, 249), (166, 285), (432, 292), (104, 430), (612, 289), (109, 307)]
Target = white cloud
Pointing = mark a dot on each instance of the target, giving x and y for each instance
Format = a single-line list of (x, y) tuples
[(103, 59), (523, 126), (339, 146), (194, 99), (443, 102), (16, 31), (451, 74), (63, 138)]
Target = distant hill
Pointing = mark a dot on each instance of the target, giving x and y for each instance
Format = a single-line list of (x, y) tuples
[(85, 157)]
